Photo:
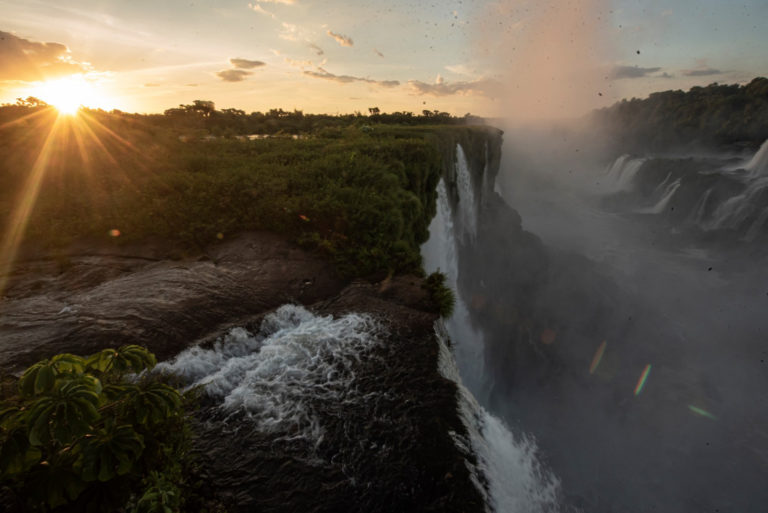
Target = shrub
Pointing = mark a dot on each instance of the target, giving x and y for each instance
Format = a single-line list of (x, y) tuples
[(79, 435), (442, 296)]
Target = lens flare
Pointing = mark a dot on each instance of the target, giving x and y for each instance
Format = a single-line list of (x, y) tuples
[(701, 411), (643, 378), (596, 359)]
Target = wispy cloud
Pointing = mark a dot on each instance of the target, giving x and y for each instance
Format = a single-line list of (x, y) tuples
[(621, 72), (286, 2), (22, 59), (348, 79), (316, 49), (233, 75), (341, 39), (703, 71), (259, 9), (246, 64), (298, 63), (482, 87)]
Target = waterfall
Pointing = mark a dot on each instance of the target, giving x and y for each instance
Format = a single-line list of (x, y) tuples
[(739, 209), (661, 205), (514, 481), (758, 166), (622, 172), (467, 203)]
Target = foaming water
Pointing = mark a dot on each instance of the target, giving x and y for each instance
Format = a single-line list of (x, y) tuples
[(515, 482), (758, 166), (279, 375)]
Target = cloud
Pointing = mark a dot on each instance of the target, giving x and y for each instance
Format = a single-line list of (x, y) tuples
[(246, 64), (460, 69), (348, 79), (482, 87), (704, 71), (259, 9), (152, 84), (316, 49), (378, 53), (22, 59), (285, 2), (619, 72), (299, 64), (341, 39), (233, 75)]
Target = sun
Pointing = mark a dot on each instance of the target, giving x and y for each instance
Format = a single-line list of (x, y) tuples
[(70, 93)]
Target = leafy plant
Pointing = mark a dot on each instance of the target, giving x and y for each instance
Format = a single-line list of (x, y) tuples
[(84, 433), (442, 296)]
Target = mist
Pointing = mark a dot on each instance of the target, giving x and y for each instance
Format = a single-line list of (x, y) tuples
[(637, 362)]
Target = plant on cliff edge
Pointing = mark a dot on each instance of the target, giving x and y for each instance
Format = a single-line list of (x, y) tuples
[(79, 435), (442, 295)]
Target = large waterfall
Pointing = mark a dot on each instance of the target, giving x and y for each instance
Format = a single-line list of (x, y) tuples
[(516, 481)]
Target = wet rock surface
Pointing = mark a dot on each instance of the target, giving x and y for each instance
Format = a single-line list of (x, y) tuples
[(393, 449), (88, 301)]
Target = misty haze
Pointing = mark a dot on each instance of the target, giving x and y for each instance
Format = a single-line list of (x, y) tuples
[(301, 256)]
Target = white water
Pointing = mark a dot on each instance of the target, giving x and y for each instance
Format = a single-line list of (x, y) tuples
[(736, 210), (516, 481), (758, 166), (467, 203), (622, 172), (666, 197), (271, 375)]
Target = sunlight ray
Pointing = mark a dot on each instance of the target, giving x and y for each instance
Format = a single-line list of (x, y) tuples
[(18, 221)]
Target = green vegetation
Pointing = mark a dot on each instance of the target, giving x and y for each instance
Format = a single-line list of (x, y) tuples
[(361, 192), (442, 295), (712, 116), (80, 435)]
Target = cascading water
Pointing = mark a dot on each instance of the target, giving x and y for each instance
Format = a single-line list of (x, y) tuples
[(515, 481), (666, 197), (758, 165), (622, 172), (279, 375)]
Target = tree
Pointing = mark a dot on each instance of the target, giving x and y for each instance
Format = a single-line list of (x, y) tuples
[(374, 111)]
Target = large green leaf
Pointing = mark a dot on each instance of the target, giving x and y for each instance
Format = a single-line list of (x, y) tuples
[(110, 452)]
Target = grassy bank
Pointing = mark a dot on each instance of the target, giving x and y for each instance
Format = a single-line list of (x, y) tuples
[(362, 193)]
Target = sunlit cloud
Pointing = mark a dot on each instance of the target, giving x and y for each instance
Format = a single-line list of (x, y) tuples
[(298, 63), (259, 9), (26, 60), (246, 64), (233, 75), (348, 79), (341, 39), (481, 87)]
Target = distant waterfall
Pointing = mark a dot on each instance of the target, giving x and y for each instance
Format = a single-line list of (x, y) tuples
[(758, 166), (621, 173)]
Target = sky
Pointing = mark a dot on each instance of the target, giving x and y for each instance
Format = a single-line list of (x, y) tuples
[(540, 58)]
